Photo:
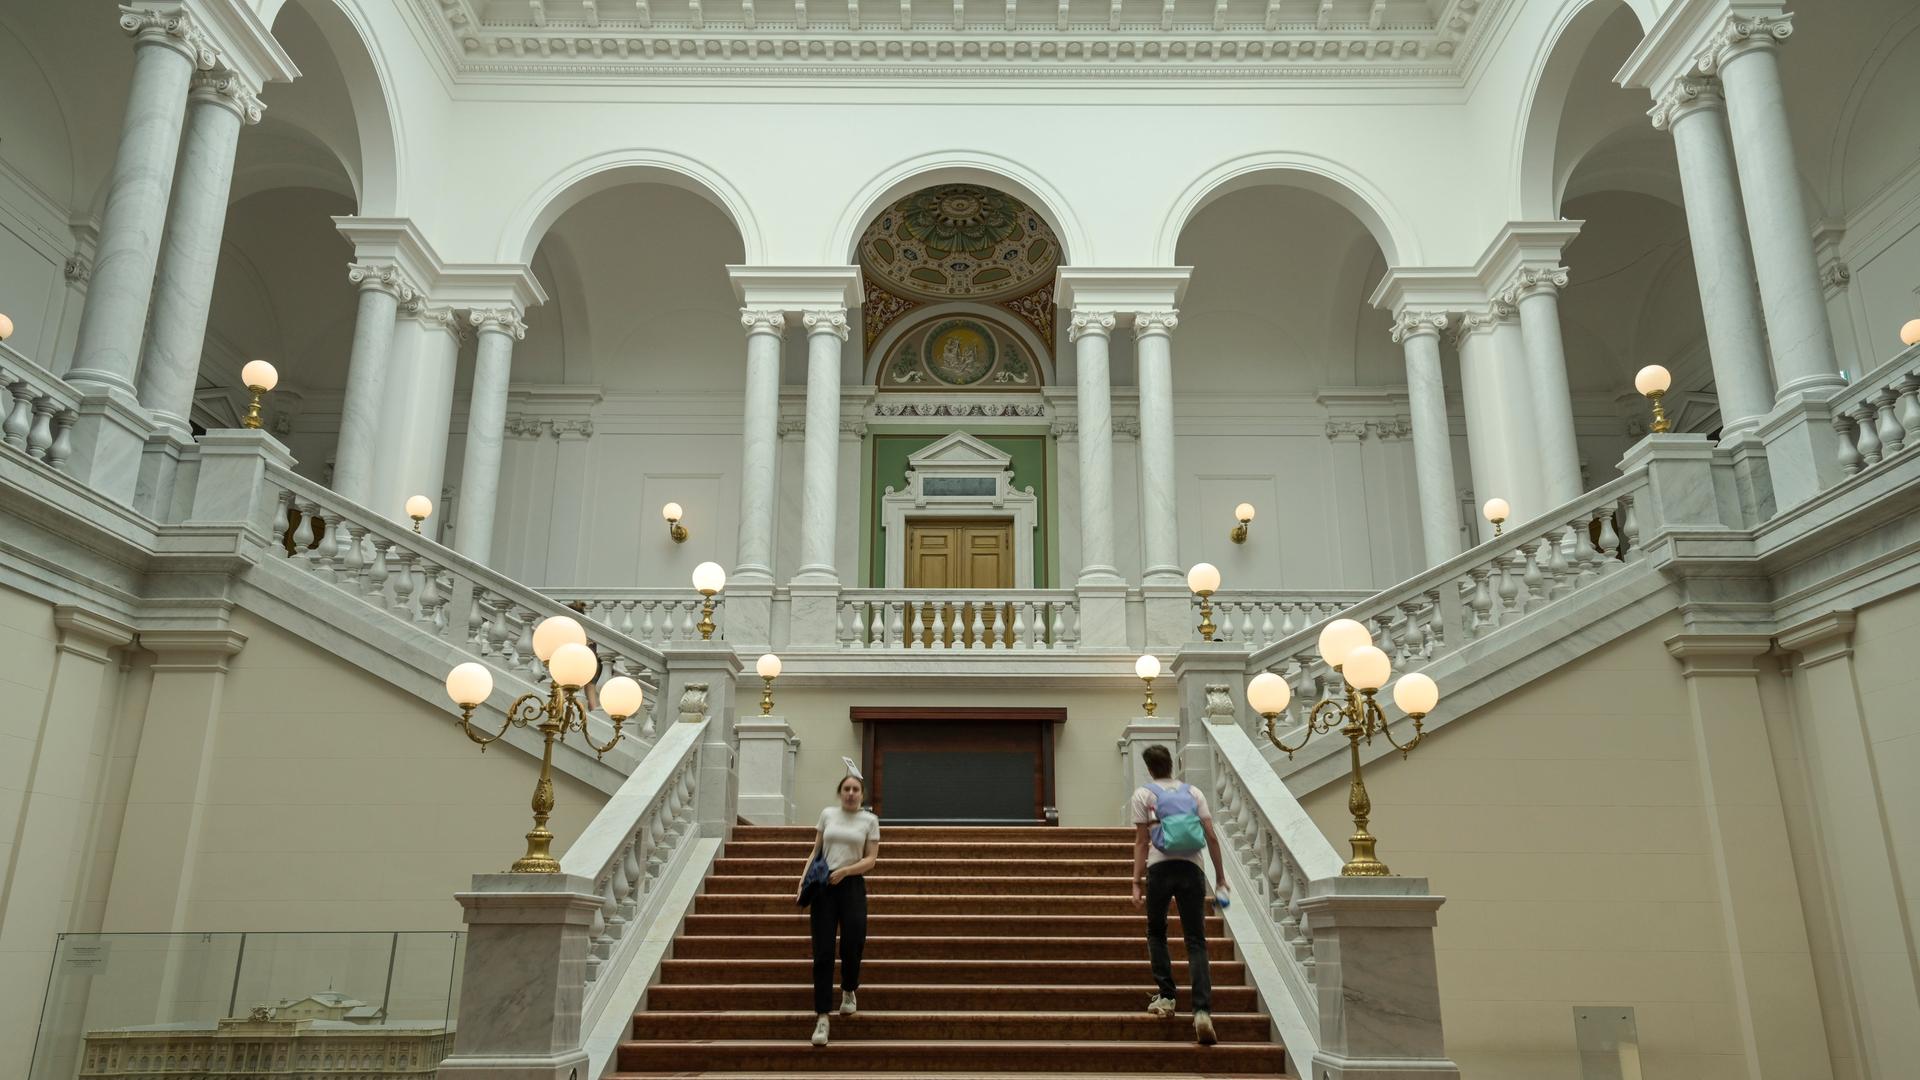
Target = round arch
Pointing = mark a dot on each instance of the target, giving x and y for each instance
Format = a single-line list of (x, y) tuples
[(369, 87), (567, 188), (877, 353), (1535, 183), (1309, 173), (1889, 45), (957, 167)]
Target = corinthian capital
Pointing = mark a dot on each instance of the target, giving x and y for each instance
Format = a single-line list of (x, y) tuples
[(1684, 95), (1162, 322), (1741, 33), (1533, 279), (1416, 323), (498, 320), (222, 87), (1090, 322), (385, 277), (756, 321), (826, 321), (171, 29)]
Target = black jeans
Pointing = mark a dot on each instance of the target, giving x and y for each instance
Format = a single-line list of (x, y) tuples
[(840, 909), (1186, 885)]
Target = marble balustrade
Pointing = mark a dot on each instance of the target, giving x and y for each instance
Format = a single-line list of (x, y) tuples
[(1260, 617), (657, 617), (36, 410), (1879, 415), (937, 620)]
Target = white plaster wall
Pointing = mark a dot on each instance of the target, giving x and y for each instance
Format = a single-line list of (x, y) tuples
[(1883, 657)]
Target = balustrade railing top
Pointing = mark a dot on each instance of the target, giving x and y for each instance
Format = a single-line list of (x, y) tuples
[(937, 619), (1879, 414), (37, 409), (1260, 617), (655, 616)]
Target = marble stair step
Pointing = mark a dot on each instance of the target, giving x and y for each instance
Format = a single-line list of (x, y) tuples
[(880, 947), (697, 997), (1132, 927), (927, 1026), (1034, 902), (884, 972), (942, 1056), (887, 884), (895, 867), (995, 1075), (1012, 834), (891, 849)]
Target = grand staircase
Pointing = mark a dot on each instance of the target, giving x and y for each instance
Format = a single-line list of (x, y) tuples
[(990, 952)]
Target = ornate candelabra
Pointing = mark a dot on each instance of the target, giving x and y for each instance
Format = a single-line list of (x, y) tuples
[(562, 644), (1348, 648)]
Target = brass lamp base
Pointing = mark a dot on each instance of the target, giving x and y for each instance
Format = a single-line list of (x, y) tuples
[(706, 626), (252, 419), (1207, 628), (1660, 423)]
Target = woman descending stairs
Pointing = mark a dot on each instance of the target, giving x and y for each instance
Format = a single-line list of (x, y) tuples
[(990, 952)]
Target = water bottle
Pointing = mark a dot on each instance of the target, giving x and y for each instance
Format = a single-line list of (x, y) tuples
[(1222, 899)]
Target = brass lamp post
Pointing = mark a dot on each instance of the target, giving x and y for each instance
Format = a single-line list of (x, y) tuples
[(1148, 668), (1495, 510), (708, 579), (768, 667), (563, 645), (419, 508), (259, 377), (1204, 580), (1348, 648), (1654, 381)]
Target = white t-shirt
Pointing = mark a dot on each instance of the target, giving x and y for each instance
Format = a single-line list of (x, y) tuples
[(1144, 805), (844, 836)]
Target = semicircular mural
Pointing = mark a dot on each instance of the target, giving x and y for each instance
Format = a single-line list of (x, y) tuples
[(958, 352), (959, 242)]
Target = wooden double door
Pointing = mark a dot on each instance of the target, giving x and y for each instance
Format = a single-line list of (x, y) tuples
[(933, 765), (958, 555)]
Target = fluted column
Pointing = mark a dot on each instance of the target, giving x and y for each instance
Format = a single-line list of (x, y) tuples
[(1091, 332), (486, 428), (382, 290), (1159, 480), (219, 104), (167, 48), (760, 444), (819, 502), (1695, 112), (1535, 291), (1418, 332), (1744, 57)]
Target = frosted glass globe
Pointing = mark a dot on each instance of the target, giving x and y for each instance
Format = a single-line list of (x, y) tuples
[(555, 632), (419, 507), (671, 512), (1416, 694), (257, 375), (1268, 693), (1243, 512), (572, 665), (6, 328), (768, 666), (1653, 379), (621, 697), (1340, 637), (1367, 668), (1909, 334), (469, 684), (1496, 510), (1204, 578), (709, 578), (1147, 667)]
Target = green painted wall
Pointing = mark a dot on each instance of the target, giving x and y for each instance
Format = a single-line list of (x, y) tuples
[(884, 463)]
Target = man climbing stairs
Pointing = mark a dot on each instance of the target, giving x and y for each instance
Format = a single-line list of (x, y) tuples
[(990, 951)]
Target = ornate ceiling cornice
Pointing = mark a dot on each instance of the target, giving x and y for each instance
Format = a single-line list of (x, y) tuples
[(1275, 40)]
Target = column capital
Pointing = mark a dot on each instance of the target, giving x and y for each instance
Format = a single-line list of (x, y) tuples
[(1685, 94), (1737, 34), (192, 650), (1161, 321), (229, 91), (1485, 320), (1085, 322), (88, 633), (432, 315), (498, 321), (384, 277), (1818, 640), (173, 29), (1718, 654), (1529, 280), (1410, 324), (763, 321), (825, 321)]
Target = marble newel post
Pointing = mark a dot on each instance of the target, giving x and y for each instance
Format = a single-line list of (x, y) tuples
[(1091, 332), (382, 290), (486, 428), (220, 103), (1418, 332), (819, 505), (1159, 493), (167, 48), (1535, 291), (760, 445)]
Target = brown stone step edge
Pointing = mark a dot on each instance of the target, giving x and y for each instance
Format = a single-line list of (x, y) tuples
[(1128, 927), (950, 972), (888, 947), (923, 1026), (952, 1055), (1046, 997)]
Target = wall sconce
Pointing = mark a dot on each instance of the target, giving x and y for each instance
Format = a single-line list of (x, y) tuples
[(1148, 668), (1204, 580), (1909, 334), (258, 376), (1496, 510), (1653, 381), (419, 508), (769, 668), (1244, 515), (708, 579), (673, 514)]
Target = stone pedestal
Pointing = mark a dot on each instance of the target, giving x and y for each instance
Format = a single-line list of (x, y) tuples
[(813, 616), (1803, 452), (766, 755), (110, 437), (229, 469), (1375, 978), (1142, 732), (1103, 615), (1212, 681), (523, 984), (701, 681), (746, 620), (1689, 485), (1170, 617)]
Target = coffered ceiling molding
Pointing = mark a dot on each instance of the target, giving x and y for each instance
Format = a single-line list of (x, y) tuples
[(534, 40)]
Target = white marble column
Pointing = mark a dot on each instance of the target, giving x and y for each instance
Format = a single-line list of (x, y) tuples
[(166, 50), (819, 501), (1159, 480), (382, 290), (1729, 293), (1418, 332), (486, 429), (416, 412), (1535, 291), (1743, 54), (1091, 332), (219, 104), (760, 444), (1500, 430)]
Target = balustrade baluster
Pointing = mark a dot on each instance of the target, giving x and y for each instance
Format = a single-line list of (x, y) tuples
[(919, 618), (1629, 528), (1057, 637), (477, 622), (1609, 541), (433, 600), (347, 563), (1266, 624), (977, 629), (1892, 435), (303, 533), (630, 864), (1482, 600), (896, 623), (1531, 577), (939, 640), (523, 652), (1508, 590), (1280, 908), (62, 447), (1847, 443), (1584, 565), (1433, 627), (40, 435), (1867, 434), (646, 620), (688, 631), (1908, 411), (879, 627), (20, 417), (626, 617), (377, 570)]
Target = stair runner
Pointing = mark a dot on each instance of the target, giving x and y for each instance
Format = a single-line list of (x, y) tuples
[(990, 952)]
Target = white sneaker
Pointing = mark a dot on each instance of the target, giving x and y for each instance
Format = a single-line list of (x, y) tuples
[(820, 1032), (1203, 1029), (1161, 1007), (848, 1006)]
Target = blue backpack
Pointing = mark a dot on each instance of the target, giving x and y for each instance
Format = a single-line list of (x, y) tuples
[(1178, 813)]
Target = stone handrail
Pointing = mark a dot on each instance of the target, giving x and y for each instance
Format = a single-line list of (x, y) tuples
[(655, 616), (437, 589), (938, 619), (632, 848), (37, 410), (1879, 414), (1260, 617)]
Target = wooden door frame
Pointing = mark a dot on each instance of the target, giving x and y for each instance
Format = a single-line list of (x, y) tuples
[(870, 716)]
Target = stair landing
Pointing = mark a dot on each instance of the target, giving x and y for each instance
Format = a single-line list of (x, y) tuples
[(1009, 953)]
